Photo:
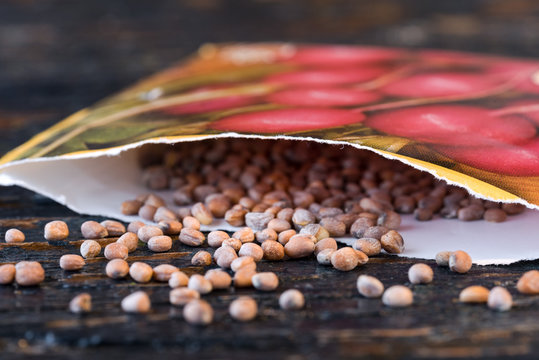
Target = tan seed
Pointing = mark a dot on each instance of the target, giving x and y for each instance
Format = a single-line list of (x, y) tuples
[(29, 273), (266, 234), (14, 236), (243, 277), (243, 262), (7, 274), (216, 238), (474, 294), (285, 236), (235, 217), (302, 217), (265, 281), (233, 243), (72, 262), (137, 302), (164, 214), (170, 227), (344, 259), (200, 283), (56, 230), (131, 207), (93, 230), (191, 237), (299, 246), (369, 286), (334, 227), (392, 242), (182, 295), (117, 269), (273, 250), (370, 246), (258, 220), (178, 279), (114, 228), (147, 232), (147, 212), (420, 274), (279, 225), (160, 243), (81, 303), (219, 279), (190, 222), (495, 215), (202, 214), (291, 299), (130, 240), (141, 272), (316, 230), (90, 249), (324, 256), (243, 308), (164, 272), (327, 243), (460, 262), (224, 256), (499, 299), (116, 251), (442, 258), (253, 250), (134, 226), (398, 296), (201, 258), (198, 312), (529, 283), (244, 235)]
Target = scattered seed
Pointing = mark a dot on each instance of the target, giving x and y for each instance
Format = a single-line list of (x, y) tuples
[(81, 303), (233, 243), (116, 251), (164, 214), (470, 213), (376, 232), (56, 230), (72, 262), (253, 250), (141, 272), (93, 230), (131, 207), (285, 236), (513, 209), (134, 226), (244, 235), (529, 283), (495, 215), (170, 227), (14, 236), (398, 296), (369, 286), (137, 302), (243, 262), (163, 272), (200, 283), (147, 212), (114, 228), (420, 274), (191, 237), (117, 269), (159, 243), (279, 225), (369, 246), (178, 279), (334, 227), (302, 217), (201, 258), (265, 281), (474, 294), (460, 262), (327, 243), (316, 230), (442, 258), (324, 256), (499, 299), (392, 242), (219, 279), (130, 240), (190, 222), (266, 234), (216, 238), (299, 246), (198, 312), (291, 299), (243, 308), (202, 214), (243, 277), (224, 256), (273, 250), (90, 249), (29, 273), (7, 274), (146, 232), (182, 295), (344, 259), (423, 214)]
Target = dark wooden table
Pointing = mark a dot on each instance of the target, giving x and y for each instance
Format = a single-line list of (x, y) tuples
[(57, 56)]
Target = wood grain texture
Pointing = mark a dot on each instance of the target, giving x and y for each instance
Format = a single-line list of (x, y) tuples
[(57, 56)]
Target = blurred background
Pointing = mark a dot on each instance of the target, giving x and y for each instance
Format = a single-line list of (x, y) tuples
[(57, 56)]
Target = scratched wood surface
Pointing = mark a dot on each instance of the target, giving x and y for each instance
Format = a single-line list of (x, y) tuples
[(57, 56)]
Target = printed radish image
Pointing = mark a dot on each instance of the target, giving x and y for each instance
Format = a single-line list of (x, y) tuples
[(203, 106), (440, 84), (327, 77), (452, 125), (526, 108), (453, 57), (287, 120), (508, 160), (343, 55), (323, 97)]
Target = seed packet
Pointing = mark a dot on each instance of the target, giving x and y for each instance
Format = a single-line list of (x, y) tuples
[(468, 119)]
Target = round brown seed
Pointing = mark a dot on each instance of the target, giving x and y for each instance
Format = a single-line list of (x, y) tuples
[(460, 262), (224, 256), (72, 262), (316, 230), (495, 215), (258, 220), (130, 240), (302, 217), (159, 243), (335, 228), (198, 312), (243, 308), (147, 212), (420, 274), (147, 232), (116, 251), (299, 246), (243, 262), (178, 279), (216, 238), (344, 259), (474, 294), (131, 207), (29, 273), (392, 242), (81, 303), (14, 236), (114, 228), (182, 295), (93, 230), (513, 209), (190, 222), (442, 258), (266, 234), (390, 220), (201, 258), (219, 279), (56, 230), (200, 283), (398, 296), (137, 302), (141, 272), (244, 235), (499, 299), (235, 217), (163, 272), (201, 213), (134, 226), (470, 213), (279, 225), (265, 281), (529, 283), (90, 249), (370, 246), (377, 232), (369, 286), (170, 227), (324, 256), (7, 274), (291, 299), (285, 236), (253, 250), (327, 243), (191, 237), (117, 269), (273, 250), (243, 277), (164, 214), (233, 243)]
